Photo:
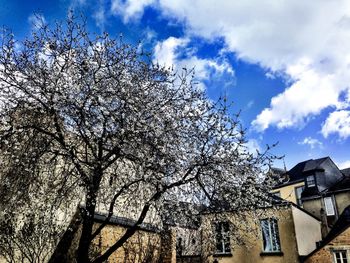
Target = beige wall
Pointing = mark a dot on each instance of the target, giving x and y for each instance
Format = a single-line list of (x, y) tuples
[(342, 201), (288, 192), (143, 245), (307, 231), (325, 254), (313, 206), (250, 252)]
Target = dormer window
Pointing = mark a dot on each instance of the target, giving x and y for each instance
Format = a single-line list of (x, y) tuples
[(310, 181)]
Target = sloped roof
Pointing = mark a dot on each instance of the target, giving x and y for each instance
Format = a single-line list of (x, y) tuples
[(125, 222), (346, 171), (341, 185), (298, 171), (301, 170)]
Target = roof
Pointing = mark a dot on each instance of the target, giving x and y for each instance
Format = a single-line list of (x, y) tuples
[(339, 227), (277, 170), (346, 171), (125, 222), (343, 184), (300, 170)]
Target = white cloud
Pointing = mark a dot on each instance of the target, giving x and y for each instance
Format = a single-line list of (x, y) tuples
[(36, 21), (304, 40), (343, 165), (130, 9), (166, 53), (337, 122), (312, 142)]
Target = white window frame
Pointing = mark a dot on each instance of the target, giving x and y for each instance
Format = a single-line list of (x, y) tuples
[(224, 238), (273, 237), (308, 181), (329, 206), (341, 256)]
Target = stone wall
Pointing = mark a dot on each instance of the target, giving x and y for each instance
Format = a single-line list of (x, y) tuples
[(325, 254)]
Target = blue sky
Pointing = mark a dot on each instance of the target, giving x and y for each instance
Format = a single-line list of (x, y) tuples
[(284, 64)]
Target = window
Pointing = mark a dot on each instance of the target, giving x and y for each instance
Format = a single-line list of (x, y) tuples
[(328, 203), (310, 181), (179, 246), (271, 240), (340, 256), (298, 191), (222, 231)]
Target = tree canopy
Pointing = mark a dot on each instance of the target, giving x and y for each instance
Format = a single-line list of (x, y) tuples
[(89, 118)]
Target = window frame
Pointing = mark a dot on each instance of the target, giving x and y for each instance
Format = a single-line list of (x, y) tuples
[(222, 238), (341, 253), (299, 202), (274, 236), (313, 181), (330, 198)]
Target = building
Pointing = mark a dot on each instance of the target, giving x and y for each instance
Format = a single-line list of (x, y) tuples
[(336, 245), (282, 233), (316, 192), (318, 186), (143, 246)]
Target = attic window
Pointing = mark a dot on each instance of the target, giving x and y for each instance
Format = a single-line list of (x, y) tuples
[(310, 181)]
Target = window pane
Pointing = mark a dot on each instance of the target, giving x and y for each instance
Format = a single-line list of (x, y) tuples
[(271, 241), (310, 180), (222, 230), (265, 228), (275, 236), (344, 257), (328, 202), (298, 191), (218, 237), (340, 256)]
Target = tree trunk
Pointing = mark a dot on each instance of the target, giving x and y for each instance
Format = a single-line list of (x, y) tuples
[(88, 218), (88, 221)]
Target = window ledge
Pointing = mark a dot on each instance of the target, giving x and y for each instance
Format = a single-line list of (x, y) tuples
[(222, 255), (277, 253)]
